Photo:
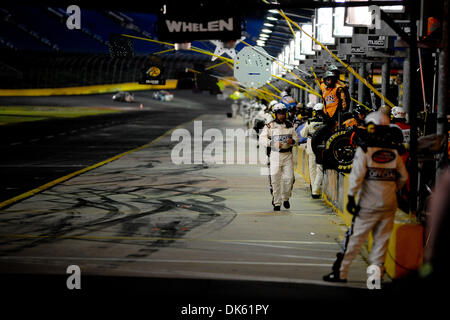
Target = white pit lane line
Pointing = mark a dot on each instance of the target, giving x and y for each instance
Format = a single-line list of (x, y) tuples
[(267, 263)]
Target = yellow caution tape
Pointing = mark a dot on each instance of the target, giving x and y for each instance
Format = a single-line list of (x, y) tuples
[(297, 85), (346, 66), (216, 65), (164, 51), (276, 89)]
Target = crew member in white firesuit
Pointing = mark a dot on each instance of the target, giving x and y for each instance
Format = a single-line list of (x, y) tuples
[(315, 170), (279, 135), (268, 116), (377, 173)]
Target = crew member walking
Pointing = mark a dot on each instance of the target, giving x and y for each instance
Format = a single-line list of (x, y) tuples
[(279, 137), (315, 170)]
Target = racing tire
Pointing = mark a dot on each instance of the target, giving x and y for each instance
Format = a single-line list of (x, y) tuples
[(339, 152), (318, 141)]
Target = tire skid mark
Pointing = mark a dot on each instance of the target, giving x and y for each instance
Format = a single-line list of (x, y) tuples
[(173, 199)]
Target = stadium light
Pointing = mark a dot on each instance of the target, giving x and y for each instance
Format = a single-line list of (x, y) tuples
[(358, 16), (293, 49), (297, 51), (324, 26), (306, 43), (339, 27), (393, 9)]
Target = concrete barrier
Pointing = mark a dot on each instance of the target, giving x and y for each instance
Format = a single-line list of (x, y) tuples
[(405, 250)]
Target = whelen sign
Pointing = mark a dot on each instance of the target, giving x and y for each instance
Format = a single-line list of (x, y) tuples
[(184, 29)]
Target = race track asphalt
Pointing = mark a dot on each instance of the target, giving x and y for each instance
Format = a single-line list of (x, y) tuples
[(36, 153)]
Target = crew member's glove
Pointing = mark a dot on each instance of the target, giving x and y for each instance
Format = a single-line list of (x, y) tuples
[(351, 206)]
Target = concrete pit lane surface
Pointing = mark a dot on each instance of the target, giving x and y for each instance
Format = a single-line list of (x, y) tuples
[(144, 225)]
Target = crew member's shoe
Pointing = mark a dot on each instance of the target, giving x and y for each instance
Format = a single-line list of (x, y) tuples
[(315, 196), (286, 204), (333, 277), (276, 208)]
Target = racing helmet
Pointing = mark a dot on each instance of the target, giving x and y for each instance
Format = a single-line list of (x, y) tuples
[(318, 107), (377, 118), (333, 69), (279, 107), (329, 74), (399, 112), (271, 104), (359, 109)]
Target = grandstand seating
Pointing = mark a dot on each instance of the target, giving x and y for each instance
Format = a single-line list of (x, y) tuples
[(38, 50)]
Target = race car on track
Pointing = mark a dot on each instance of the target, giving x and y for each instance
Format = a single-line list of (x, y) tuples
[(123, 96), (163, 95)]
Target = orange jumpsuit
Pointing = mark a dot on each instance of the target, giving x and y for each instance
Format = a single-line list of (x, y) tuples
[(350, 123), (333, 97)]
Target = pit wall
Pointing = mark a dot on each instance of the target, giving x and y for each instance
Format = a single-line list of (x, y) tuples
[(94, 89), (405, 250)]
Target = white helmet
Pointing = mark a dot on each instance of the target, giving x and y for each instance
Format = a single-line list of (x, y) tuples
[(377, 118), (278, 107), (318, 107), (399, 112), (283, 94), (272, 103)]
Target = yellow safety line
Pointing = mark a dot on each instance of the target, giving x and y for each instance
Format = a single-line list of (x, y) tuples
[(229, 65), (289, 24), (315, 76), (171, 44), (211, 54), (164, 51), (77, 173), (286, 69), (293, 33), (370, 109), (148, 39), (297, 85), (346, 66), (270, 93), (281, 65), (216, 65), (276, 89), (265, 95)]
